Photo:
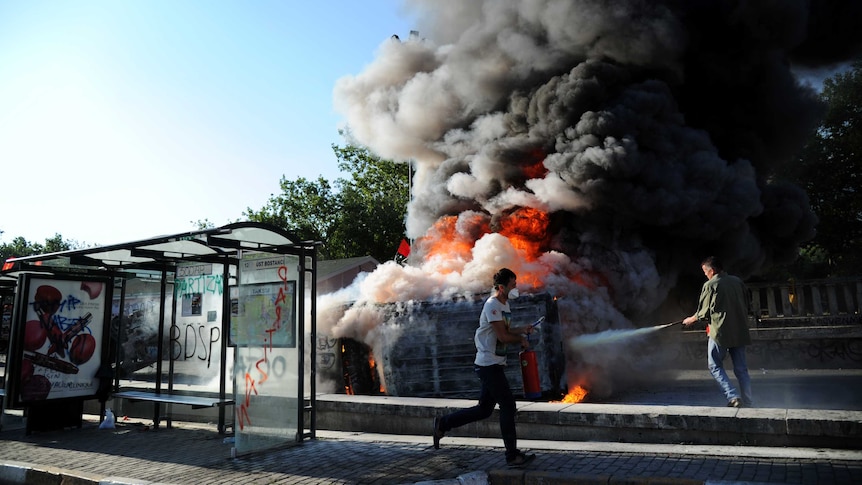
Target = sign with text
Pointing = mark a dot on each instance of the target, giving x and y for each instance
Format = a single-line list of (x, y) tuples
[(265, 308)]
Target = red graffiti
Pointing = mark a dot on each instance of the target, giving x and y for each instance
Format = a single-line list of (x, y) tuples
[(249, 387), (240, 412), (243, 408), (264, 375), (250, 384)]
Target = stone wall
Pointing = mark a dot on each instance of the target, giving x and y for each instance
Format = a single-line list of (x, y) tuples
[(798, 347)]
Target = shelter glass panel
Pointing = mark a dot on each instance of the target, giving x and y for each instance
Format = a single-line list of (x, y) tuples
[(266, 372), (194, 334), (135, 327)]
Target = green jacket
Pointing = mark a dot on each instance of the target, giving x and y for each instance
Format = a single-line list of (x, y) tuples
[(724, 304)]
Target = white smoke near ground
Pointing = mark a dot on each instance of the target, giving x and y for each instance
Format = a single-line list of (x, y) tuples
[(639, 136)]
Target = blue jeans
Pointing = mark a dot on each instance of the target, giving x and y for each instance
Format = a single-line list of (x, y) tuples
[(495, 390), (715, 357)]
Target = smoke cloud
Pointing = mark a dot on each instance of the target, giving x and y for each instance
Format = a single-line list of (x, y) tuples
[(599, 149)]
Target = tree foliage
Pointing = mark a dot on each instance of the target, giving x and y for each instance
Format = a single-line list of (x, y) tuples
[(359, 216), (830, 170), (304, 208), (20, 247)]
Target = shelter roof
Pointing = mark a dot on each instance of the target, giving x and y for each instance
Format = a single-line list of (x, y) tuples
[(215, 245)]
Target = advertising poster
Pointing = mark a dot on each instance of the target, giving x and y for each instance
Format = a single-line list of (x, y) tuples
[(59, 340)]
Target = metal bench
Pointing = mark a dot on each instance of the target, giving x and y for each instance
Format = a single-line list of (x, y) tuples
[(196, 401)]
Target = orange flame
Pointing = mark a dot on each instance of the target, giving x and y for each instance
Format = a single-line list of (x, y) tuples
[(536, 169), (453, 237), (372, 364), (445, 241), (451, 240), (527, 230), (348, 389), (576, 395)]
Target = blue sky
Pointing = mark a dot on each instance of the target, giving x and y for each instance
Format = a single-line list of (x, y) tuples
[(122, 120)]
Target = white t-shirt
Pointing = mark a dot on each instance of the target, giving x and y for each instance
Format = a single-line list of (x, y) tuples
[(489, 350)]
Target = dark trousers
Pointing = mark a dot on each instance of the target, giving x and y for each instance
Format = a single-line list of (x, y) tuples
[(495, 390)]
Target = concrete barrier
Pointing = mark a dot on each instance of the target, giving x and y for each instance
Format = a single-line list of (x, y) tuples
[(698, 425)]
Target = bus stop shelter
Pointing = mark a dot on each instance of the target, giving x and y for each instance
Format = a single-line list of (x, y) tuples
[(218, 317)]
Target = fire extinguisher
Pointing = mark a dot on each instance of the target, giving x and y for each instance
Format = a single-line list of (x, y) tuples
[(530, 370)]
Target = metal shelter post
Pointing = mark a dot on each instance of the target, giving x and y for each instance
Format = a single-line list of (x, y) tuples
[(170, 349), (311, 407), (119, 345), (225, 333)]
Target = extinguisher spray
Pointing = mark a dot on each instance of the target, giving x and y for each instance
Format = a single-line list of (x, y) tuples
[(530, 369)]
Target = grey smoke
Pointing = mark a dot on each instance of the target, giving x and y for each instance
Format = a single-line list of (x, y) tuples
[(659, 129)]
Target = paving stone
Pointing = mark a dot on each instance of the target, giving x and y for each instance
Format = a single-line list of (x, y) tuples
[(192, 453)]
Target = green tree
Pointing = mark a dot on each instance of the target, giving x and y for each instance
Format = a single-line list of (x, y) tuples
[(307, 209), (20, 247), (830, 170), (373, 204), (362, 215)]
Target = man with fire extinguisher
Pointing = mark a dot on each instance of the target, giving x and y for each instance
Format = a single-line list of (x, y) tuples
[(492, 337), (724, 305)]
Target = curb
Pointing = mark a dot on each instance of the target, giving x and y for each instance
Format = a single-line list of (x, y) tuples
[(472, 478), (18, 473), (640, 423), (520, 477), (25, 473)]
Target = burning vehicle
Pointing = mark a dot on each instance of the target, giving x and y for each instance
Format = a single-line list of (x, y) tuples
[(428, 352)]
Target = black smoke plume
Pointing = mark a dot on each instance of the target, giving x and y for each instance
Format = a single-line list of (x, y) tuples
[(648, 134)]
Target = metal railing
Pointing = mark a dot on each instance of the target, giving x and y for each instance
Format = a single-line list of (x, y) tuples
[(807, 298)]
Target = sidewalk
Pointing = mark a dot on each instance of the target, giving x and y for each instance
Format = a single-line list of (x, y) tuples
[(194, 453)]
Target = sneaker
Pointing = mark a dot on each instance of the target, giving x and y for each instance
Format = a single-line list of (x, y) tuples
[(437, 433), (734, 403), (520, 460)]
